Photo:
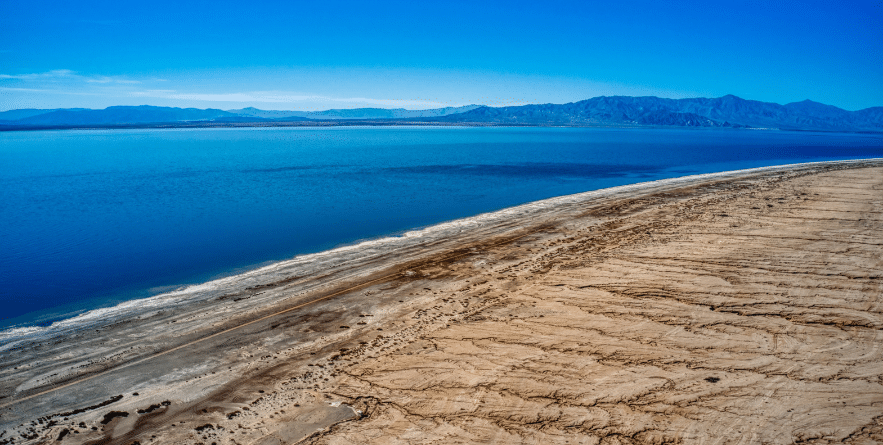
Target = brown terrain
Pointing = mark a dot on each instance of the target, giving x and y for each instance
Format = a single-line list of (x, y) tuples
[(746, 309)]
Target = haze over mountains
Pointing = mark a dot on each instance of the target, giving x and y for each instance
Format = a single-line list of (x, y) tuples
[(145, 114), (726, 111), (356, 113)]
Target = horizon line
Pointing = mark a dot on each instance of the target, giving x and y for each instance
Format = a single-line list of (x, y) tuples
[(436, 108)]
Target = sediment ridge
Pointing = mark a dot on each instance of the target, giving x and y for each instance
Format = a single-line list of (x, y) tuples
[(724, 308)]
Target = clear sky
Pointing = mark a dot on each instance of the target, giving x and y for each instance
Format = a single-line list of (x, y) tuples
[(425, 54)]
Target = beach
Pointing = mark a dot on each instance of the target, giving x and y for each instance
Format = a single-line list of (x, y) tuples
[(720, 308)]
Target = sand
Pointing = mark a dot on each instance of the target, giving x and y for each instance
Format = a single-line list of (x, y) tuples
[(737, 308)]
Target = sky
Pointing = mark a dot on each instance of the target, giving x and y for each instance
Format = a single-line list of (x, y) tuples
[(316, 55)]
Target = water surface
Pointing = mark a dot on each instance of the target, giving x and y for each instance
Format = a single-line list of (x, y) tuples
[(91, 218)]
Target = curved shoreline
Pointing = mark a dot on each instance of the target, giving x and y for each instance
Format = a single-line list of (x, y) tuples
[(341, 256), (612, 301)]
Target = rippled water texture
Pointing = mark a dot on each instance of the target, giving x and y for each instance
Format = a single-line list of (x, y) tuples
[(91, 218)]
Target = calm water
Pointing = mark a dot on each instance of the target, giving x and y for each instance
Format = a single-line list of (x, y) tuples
[(90, 218)]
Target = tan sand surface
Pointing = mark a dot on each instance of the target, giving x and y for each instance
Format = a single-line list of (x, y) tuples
[(739, 310)]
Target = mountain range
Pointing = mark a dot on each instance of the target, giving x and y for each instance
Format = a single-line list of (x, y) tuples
[(627, 111), (356, 113), (726, 111)]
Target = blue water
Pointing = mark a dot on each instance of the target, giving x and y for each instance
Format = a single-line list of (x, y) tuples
[(91, 218)]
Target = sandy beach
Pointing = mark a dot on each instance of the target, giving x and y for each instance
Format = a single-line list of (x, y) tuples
[(741, 307)]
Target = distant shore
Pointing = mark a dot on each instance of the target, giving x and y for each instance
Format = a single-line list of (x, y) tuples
[(327, 123), (289, 350), (390, 123)]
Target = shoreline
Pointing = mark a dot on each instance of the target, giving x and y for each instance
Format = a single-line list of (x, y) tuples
[(382, 123), (91, 318), (328, 345), (48, 258)]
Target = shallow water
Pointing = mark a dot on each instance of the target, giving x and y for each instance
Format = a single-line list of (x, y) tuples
[(91, 218)]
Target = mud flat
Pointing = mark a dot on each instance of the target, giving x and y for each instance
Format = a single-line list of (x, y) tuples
[(742, 307)]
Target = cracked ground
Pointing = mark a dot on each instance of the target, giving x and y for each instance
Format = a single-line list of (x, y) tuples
[(748, 316)]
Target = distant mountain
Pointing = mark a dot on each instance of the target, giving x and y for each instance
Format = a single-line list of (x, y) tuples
[(403, 113), (726, 111), (119, 116), (382, 113), (266, 114), (354, 113), (145, 114), (27, 112), (873, 114), (604, 112)]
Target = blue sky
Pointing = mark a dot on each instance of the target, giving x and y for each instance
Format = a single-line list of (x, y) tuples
[(345, 54)]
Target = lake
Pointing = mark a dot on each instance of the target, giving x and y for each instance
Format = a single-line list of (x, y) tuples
[(91, 218)]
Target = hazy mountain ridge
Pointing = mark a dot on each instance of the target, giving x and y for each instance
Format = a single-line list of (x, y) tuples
[(28, 112), (265, 114), (143, 114), (121, 115), (355, 113), (726, 111)]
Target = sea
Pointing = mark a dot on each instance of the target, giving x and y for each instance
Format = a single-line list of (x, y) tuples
[(93, 218)]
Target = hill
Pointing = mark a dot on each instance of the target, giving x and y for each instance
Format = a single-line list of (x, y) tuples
[(119, 115), (354, 113), (726, 111)]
